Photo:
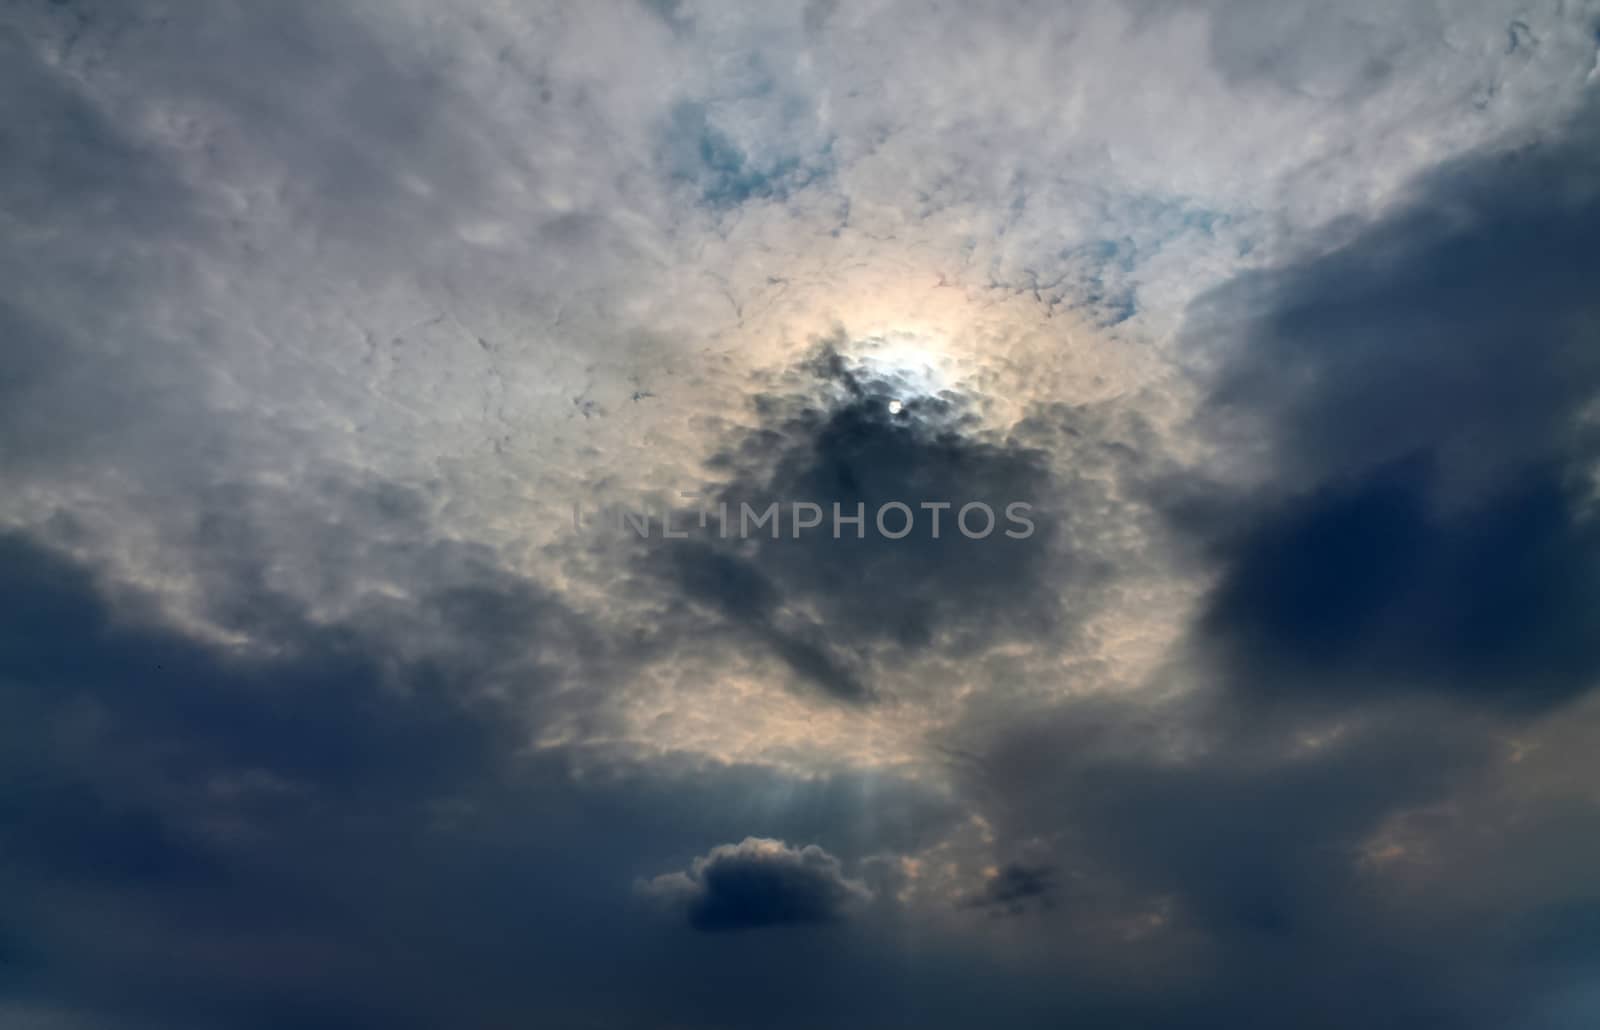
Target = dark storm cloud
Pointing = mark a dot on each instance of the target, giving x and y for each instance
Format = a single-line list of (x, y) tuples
[(1363, 586), (343, 826), (328, 708), (169, 777), (1426, 392), (760, 883), (1422, 395), (252, 810), (824, 602)]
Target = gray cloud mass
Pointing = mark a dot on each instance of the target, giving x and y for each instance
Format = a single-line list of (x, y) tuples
[(319, 320)]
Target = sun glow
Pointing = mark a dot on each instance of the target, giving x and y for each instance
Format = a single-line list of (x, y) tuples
[(917, 364)]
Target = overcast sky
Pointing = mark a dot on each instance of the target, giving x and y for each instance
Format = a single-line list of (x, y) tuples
[(322, 323)]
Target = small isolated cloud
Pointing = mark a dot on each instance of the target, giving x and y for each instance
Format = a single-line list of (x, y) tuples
[(759, 882)]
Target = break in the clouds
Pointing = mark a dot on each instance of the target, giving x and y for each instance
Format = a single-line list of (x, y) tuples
[(319, 320)]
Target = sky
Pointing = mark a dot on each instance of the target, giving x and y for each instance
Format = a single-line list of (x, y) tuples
[(374, 377)]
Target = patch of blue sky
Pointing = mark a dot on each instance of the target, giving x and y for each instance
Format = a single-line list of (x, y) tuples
[(725, 175)]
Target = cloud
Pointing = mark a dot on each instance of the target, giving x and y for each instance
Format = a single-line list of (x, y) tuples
[(829, 602), (315, 319), (1425, 396), (197, 789), (1013, 886), (300, 821), (348, 710), (1202, 836), (760, 883), (1363, 587)]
